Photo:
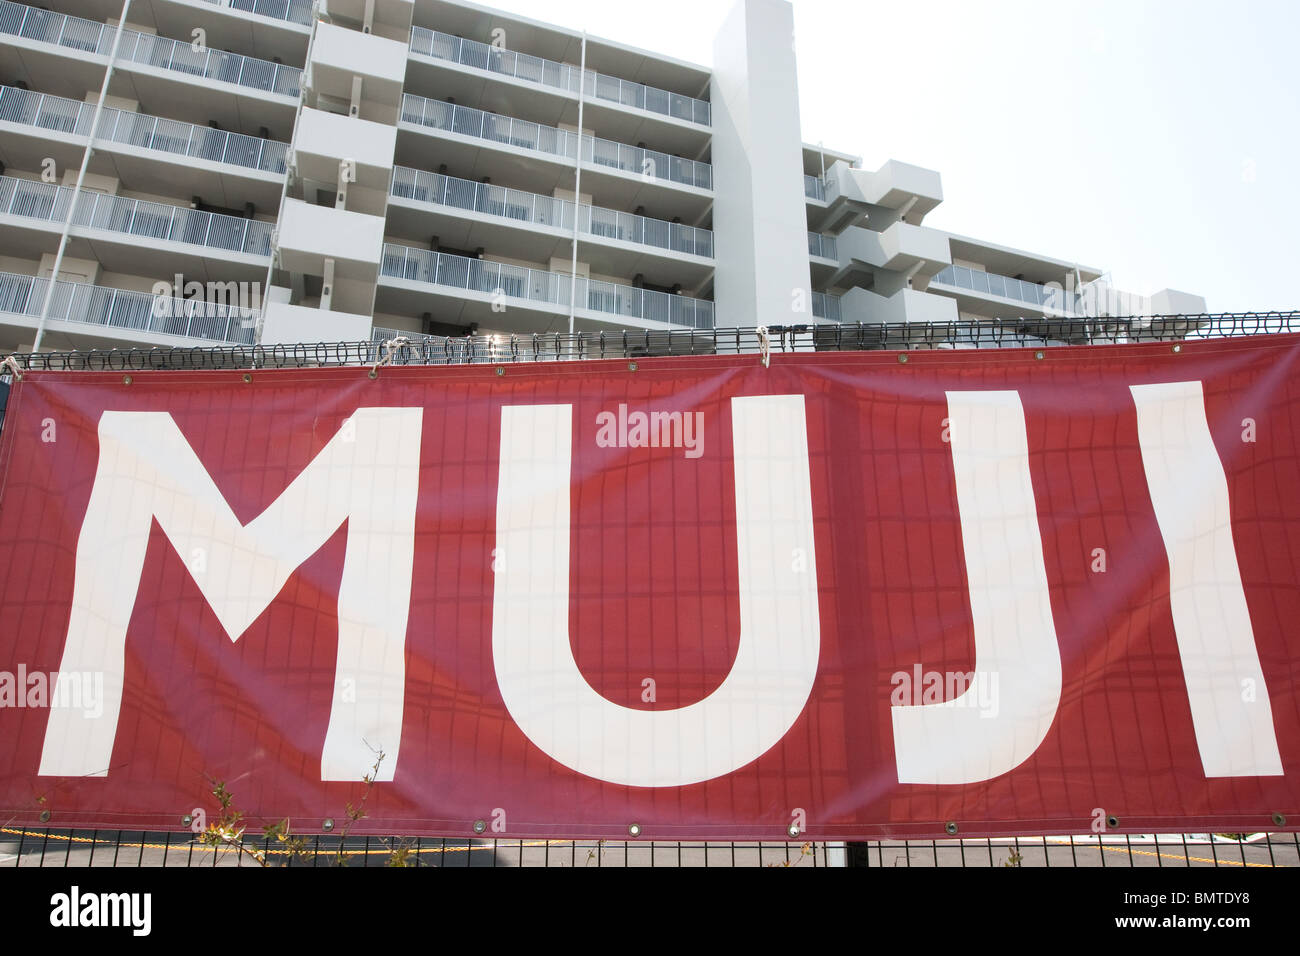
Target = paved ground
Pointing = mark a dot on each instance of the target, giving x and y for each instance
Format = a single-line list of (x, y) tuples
[(90, 848)]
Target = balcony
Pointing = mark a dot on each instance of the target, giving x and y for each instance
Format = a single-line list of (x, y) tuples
[(1040, 297), (291, 11), (548, 290), (48, 203), (526, 207), (823, 247), (559, 76), (522, 134), (814, 188), (42, 111), (825, 306), (143, 49), (127, 312)]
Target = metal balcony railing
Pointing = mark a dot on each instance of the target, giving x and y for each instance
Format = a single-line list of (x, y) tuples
[(49, 203), (517, 282), (824, 247), (43, 111), (119, 309), (146, 49), (292, 11), (560, 76), (466, 121), (814, 188), (960, 277), (826, 306), (515, 204)]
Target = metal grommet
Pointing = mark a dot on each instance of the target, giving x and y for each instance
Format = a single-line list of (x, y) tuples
[(1279, 820), (902, 358), (1178, 347), (247, 378), (126, 379), (950, 828), (328, 824), (374, 374), (634, 830), (187, 819), (793, 829), (480, 826), (1040, 356), (631, 366), (500, 370), (45, 816), (1112, 822)]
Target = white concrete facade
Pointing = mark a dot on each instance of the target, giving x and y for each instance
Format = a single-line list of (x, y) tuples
[(283, 171)]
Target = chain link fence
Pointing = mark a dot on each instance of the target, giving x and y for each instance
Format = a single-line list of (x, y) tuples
[(23, 847)]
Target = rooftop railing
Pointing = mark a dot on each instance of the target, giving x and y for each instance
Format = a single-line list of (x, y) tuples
[(989, 283), (824, 247), (135, 217), (146, 49), (43, 111), (292, 11), (467, 121), (120, 309), (515, 204), (553, 288), (560, 76)]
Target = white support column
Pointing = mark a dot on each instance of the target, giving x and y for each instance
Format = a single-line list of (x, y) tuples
[(759, 216)]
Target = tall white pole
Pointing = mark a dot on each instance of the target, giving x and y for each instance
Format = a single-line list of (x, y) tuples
[(81, 178), (577, 186)]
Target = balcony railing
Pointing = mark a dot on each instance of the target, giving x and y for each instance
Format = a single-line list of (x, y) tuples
[(990, 284), (119, 309), (824, 247), (435, 114), (825, 306), (521, 206), (293, 11), (814, 188), (47, 202), (92, 36), (516, 282), (560, 76), (137, 129)]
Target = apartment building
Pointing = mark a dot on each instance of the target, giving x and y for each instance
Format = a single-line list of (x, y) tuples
[(202, 172)]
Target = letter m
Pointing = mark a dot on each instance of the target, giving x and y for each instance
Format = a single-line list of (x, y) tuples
[(366, 476)]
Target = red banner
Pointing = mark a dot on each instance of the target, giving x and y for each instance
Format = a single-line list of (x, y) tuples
[(849, 595)]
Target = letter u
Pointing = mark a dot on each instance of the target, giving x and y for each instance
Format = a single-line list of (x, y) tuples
[(780, 633)]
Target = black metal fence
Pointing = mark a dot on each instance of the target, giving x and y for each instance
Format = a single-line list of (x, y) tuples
[(403, 348), (21, 847)]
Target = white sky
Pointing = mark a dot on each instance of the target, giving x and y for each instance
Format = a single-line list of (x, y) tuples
[(1156, 139)]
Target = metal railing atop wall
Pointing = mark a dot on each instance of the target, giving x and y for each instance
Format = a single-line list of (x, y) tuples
[(434, 350)]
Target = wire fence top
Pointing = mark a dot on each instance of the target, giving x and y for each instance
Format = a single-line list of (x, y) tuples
[(399, 347)]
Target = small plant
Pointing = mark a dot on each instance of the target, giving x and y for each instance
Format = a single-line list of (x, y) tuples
[(1014, 859)]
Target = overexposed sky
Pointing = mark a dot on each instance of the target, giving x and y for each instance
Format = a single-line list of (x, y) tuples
[(1156, 139)]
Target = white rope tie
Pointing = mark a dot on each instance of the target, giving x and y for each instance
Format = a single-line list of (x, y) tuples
[(11, 364), (764, 346), (390, 349)]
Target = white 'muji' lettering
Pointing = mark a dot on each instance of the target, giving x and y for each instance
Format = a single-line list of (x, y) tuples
[(147, 470), (1011, 612), (1216, 643), (780, 637)]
